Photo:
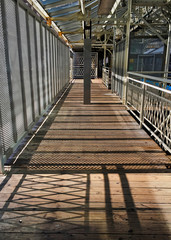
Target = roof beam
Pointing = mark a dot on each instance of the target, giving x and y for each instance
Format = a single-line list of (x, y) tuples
[(65, 10), (57, 4), (152, 29), (66, 18), (82, 6)]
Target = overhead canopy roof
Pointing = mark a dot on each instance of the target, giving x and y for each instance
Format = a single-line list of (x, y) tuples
[(149, 17)]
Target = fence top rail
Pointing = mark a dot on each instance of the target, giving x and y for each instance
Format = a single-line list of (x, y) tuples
[(157, 72), (158, 79), (149, 85)]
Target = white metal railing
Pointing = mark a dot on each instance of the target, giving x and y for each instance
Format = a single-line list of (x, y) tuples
[(106, 76), (155, 73), (149, 103)]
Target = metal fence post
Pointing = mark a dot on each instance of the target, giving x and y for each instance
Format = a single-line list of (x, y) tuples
[(53, 67), (50, 68), (114, 56), (126, 89), (142, 104), (21, 66), (37, 66), (30, 66), (56, 62), (43, 64), (47, 63)]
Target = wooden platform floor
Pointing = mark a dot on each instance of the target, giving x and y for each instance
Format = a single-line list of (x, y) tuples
[(89, 173)]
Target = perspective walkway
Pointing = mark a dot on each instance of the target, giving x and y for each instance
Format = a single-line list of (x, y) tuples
[(90, 172)]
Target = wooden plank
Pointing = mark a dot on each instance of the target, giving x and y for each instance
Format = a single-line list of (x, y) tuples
[(102, 200)]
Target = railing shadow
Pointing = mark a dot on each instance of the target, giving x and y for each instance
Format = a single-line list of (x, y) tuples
[(72, 191), (82, 204)]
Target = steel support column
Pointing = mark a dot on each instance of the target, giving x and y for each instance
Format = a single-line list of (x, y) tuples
[(87, 63), (167, 56), (126, 57), (113, 59), (105, 52), (87, 71)]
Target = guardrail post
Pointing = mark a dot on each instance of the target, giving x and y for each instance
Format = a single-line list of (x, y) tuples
[(126, 89), (127, 43), (112, 82), (142, 104)]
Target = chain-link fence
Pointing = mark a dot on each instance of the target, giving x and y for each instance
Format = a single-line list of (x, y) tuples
[(34, 68)]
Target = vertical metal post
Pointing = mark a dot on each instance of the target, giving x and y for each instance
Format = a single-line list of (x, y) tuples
[(57, 67), (37, 66), (51, 71), (142, 104), (87, 63), (53, 67), (87, 71), (62, 73), (5, 34), (105, 52), (30, 65), (114, 57), (167, 56), (55, 70), (127, 51), (47, 62), (21, 66), (56, 42), (43, 65)]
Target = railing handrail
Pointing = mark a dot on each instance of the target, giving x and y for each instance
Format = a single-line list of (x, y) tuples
[(152, 72), (149, 85), (150, 77), (144, 83), (152, 108)]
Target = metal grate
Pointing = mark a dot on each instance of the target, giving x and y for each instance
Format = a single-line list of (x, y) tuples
[(14, 64), (29, 66), (6, 121)]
